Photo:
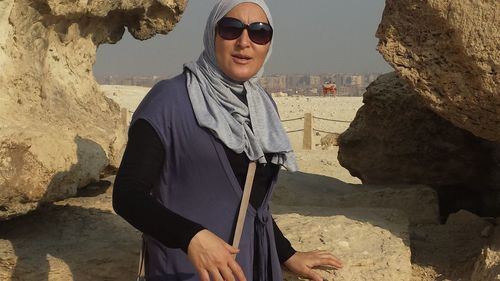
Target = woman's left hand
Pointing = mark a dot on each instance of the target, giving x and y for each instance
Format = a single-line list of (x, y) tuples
[(302, 263)]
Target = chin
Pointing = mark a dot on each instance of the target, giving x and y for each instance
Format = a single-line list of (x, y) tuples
[(241, 76)]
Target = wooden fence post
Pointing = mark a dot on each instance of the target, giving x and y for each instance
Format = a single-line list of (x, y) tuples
[(124, 117), (308, 131)]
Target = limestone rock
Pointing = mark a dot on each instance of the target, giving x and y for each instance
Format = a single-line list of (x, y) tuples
[(57, 129), (451, 248), (448, 52), (487, 266), (396, 139), (419, 203), (372, 245), (331, 139)]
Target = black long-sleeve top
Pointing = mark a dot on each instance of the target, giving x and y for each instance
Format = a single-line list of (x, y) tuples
[(141, 165)]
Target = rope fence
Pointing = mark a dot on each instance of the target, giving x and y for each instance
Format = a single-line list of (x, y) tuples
[(293, 119), (333, 120), (308, 128), (316, 130), (299, 130)]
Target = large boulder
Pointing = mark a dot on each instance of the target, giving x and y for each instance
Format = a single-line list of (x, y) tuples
[(448, 52), (57, 130), (396, 139), (372, 244), (418, 202)]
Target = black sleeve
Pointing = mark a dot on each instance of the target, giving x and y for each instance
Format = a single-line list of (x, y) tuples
[(283, 246), (140, 167)]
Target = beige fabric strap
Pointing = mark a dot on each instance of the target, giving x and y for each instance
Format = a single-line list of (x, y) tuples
[(244, 204)]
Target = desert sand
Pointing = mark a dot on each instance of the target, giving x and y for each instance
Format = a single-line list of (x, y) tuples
[(82, 238)]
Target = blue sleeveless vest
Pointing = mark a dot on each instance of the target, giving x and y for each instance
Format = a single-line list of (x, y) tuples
[(198, 183)]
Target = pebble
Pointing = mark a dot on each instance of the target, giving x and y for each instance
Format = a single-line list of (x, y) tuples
[(344, 244)]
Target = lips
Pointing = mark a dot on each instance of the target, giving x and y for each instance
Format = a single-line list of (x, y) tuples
[(240, 58)]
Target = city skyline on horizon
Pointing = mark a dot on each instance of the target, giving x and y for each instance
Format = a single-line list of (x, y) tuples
[(334, 36), (295, 84)]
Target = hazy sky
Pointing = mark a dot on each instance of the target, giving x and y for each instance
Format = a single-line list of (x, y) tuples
[(311, 36)]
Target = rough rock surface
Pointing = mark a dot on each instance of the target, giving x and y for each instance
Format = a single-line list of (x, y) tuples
[(395, 139), (57, 130), (329, 140), (419, 203), (73, 239), (487, 266), (448, 52), (373, 245), (451, 248)]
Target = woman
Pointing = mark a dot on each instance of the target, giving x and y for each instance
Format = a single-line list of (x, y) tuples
[(190, 142)]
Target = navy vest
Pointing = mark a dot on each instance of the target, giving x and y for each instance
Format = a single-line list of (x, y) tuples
[(198, 183)]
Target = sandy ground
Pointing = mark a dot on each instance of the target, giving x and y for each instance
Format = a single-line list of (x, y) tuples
[(82, 239)]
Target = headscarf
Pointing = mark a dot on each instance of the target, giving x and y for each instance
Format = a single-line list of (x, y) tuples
[(254, 129)]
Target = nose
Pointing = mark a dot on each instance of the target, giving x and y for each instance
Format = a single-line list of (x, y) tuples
[(244, 40)]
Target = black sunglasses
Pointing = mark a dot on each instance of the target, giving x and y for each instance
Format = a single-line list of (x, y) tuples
[(230, 28)]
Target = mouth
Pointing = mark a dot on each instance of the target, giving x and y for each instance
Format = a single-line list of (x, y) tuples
[(240, 58)]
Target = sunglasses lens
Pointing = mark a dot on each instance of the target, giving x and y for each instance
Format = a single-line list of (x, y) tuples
[(229, 29), (260, 33)]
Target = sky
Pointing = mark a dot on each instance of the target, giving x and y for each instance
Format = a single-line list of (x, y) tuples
[(311, 37)]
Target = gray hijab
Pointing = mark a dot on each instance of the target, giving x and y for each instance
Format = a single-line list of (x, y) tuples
[(217, 107)]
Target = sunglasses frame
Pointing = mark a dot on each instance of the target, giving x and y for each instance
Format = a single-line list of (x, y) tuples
[(248, 27)]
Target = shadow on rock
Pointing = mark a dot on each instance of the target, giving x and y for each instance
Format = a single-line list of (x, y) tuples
[(72, 243), (75, 239)]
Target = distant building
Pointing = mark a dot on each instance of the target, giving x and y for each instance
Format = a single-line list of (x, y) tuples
[(348, 84), (314, 81), (356, 80), (274, 83)]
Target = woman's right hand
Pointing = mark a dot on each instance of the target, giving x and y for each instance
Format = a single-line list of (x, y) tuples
[(213, 258)]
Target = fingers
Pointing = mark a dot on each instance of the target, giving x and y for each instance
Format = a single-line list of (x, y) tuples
[(323, 258), (302, 263), (213, 258), (204, 276), (333, 261), (216, 276), (225, 270), (232, 272), (236, 269), (313, 275), (231, 249), (228, 274)]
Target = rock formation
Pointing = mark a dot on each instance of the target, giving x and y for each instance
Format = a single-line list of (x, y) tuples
[(487, 266), (418, 203), (330, 139), (396, 139), (448, 52), (436, 122), (57, 130), (372, 244)]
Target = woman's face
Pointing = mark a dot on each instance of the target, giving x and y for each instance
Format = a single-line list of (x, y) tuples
[(240, 59)]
